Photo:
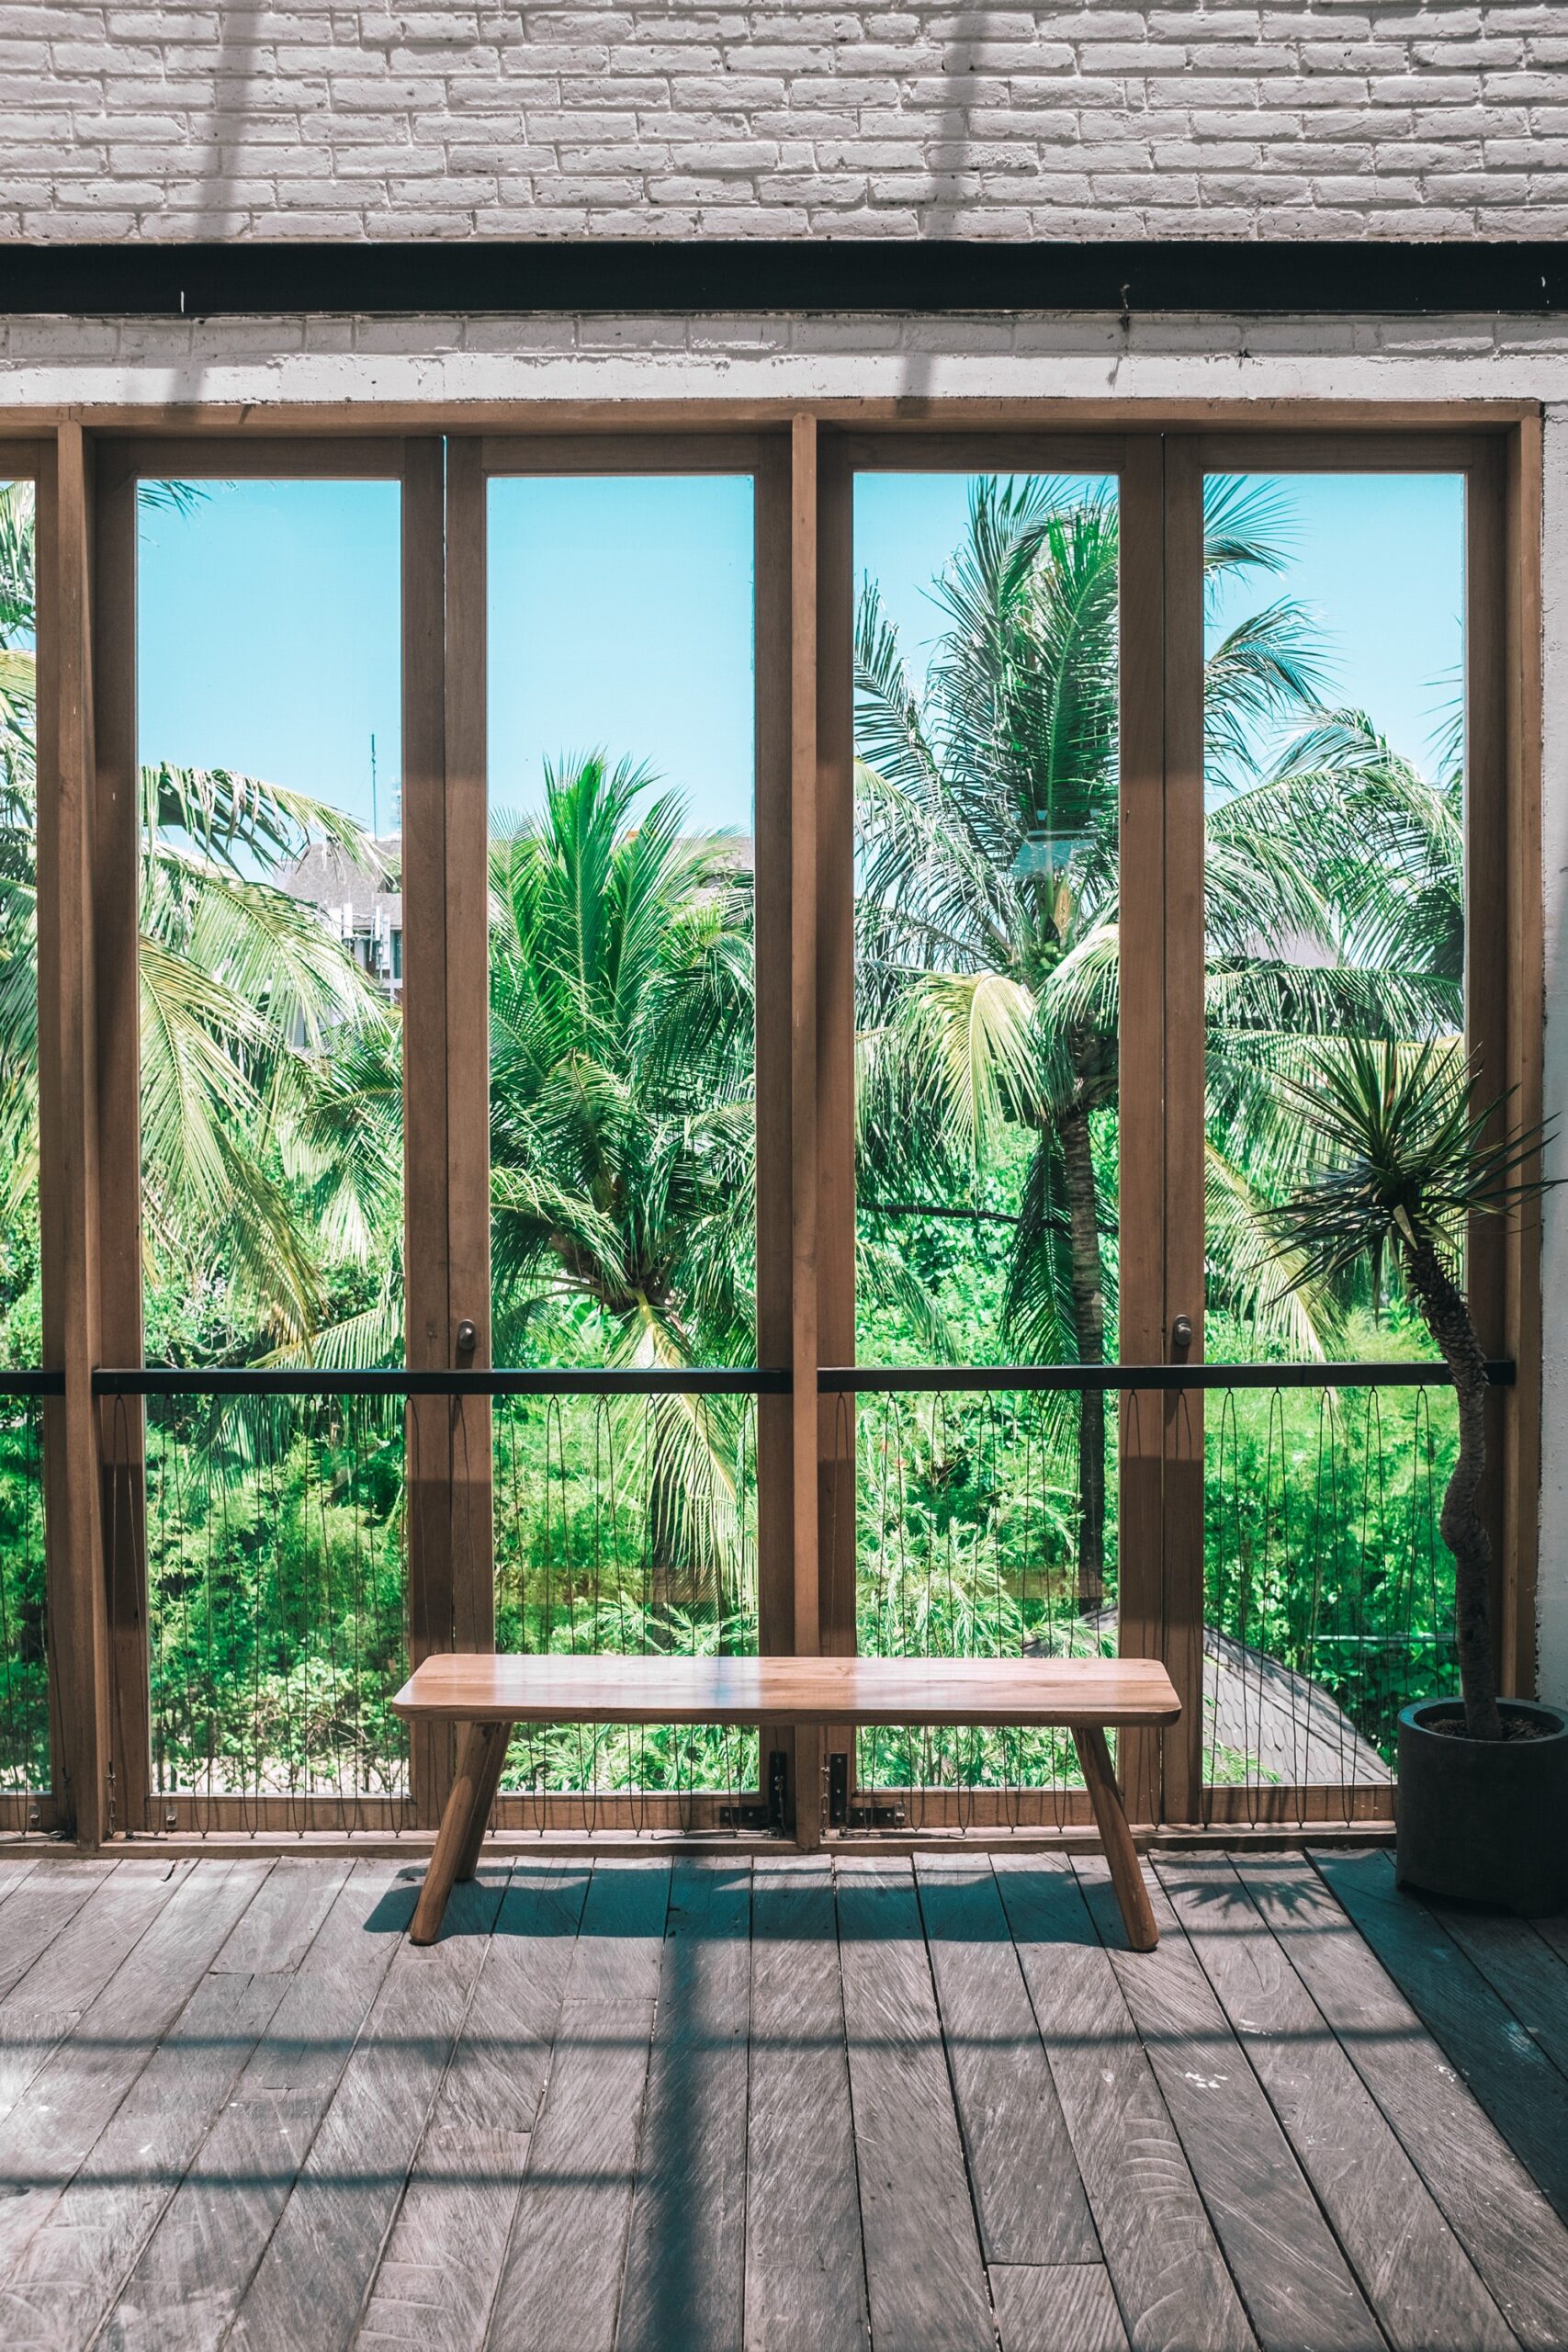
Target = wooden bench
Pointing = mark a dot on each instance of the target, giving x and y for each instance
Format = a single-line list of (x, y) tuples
[(487, 1695)]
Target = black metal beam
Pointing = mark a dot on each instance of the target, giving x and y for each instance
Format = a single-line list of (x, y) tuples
[(862, 1380), (176, 1381), (873, 1380), (1312, 278)]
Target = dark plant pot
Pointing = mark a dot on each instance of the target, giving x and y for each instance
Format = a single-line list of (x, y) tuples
[(1484, 1820)]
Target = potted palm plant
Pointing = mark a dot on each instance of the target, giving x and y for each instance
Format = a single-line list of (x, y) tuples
[(1406, 1162)]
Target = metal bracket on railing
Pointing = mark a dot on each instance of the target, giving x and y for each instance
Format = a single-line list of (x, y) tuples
[(770, 1814), (838, 1790)]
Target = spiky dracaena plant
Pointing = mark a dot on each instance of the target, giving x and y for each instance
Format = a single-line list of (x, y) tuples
[(1407, 1160)]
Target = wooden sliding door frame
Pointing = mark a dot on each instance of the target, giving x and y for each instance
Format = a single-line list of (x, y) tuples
[(1134, 460), (121, 465), (1161, 474), (61, 466), (1504, 983), (778, 464), (447, 1467)]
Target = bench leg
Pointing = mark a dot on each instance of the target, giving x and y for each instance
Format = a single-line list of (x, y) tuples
[(481, 1752), (496, 1738), (1126, 1877)]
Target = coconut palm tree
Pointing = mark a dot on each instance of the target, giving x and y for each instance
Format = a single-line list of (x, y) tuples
[(621, 1112), (989, 906), (1403, 1160)]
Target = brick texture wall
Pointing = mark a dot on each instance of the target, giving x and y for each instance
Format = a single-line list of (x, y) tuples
[(1331, 118)]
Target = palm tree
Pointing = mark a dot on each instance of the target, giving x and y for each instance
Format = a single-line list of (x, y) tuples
[(989, 906), (621, 1112), (1405, 1159)]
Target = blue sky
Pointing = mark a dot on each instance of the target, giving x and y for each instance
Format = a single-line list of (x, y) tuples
[(621, 617), (620, 620), (268, 628), (1379, 559)]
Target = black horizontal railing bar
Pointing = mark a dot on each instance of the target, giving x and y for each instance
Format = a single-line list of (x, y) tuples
[(749, 1381), (881, 1380), (32, 1383), (574, 1381)]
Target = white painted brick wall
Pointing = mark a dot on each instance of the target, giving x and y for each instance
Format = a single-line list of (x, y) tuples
[(283, 119)]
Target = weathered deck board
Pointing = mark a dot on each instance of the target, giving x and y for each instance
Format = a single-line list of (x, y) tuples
[(686, 2276), (1027, 2190), (805, 2272), (500, 2064), (1293, 2279), (617, 2108), (1499, 2216), (1525, 1971), (434, 2284), (1514, 2080), (317, 2270), (77, 2262), (41, 1908), (1554, 1932), (73, 2099), (437, 2279), (560, 2286), (1411, 2265), (924, 2273), (1059, 2307), (212, 2236), (1164, 2259), (68, 1976), (280, 1924)]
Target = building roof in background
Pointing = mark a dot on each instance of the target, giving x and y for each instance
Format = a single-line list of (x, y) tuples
[(324, 878)]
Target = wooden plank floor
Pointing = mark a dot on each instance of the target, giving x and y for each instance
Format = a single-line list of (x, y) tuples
[(799, 2106)]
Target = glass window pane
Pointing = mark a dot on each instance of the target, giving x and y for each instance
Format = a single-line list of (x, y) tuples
[(1334, 794), (622, 1117), (987, 793), (24, 1701), (268, 682)]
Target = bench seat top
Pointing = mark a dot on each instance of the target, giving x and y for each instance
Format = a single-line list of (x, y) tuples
[(1079, 1691)]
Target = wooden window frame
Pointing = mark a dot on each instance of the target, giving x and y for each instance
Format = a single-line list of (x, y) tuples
[(1161, 477), (803, 458), (1504, 1007)]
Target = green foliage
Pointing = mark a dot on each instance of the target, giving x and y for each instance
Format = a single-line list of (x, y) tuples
[(1321, 1540), (24, 1664), (276, 1597)]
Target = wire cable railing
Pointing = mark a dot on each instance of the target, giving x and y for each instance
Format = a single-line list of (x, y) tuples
[(25, 1769), (270, 1508)]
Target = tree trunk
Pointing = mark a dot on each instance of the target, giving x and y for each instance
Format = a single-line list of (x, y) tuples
[(1462, 1527), (1088, 1315)]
